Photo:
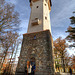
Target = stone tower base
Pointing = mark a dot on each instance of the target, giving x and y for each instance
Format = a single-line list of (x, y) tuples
[(37, 45)]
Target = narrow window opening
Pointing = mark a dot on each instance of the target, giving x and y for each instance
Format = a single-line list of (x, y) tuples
[(46, 18), (36, 18), (34, 37), (45, 4), (37, 6)]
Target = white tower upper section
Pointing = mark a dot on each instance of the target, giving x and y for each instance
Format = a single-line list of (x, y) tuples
[(40, 16)]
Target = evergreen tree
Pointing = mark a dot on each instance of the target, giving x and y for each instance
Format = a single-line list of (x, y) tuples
[(71, 31)]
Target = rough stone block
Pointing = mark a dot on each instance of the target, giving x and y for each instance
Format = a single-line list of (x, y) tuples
[(37, 45)]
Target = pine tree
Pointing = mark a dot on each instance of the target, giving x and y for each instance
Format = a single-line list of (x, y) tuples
[(71, 31)]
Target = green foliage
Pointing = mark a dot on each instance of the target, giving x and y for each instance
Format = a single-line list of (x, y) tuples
[(71, 31), (72, 20), (58, 65)]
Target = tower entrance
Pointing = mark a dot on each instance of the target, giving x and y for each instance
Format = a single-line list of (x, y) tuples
[(32, 61), (31, 67)]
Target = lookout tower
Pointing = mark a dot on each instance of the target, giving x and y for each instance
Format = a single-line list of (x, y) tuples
[(37, 45), (40, 15)]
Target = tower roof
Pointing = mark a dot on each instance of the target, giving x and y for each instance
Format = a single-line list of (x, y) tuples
[(49, 0)]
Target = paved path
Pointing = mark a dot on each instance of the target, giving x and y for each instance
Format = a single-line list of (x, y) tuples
[(65, 73)]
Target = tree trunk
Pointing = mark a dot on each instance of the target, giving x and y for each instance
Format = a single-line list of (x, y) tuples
[(4, 59), (63, 64), (63, 61)]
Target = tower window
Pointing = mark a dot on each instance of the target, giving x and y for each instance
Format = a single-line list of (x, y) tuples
[(46, 18), (37, 6), (36, 18), (45, 4), (34, 37)]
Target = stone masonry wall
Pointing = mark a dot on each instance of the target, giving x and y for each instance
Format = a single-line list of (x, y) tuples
[(39, 46)]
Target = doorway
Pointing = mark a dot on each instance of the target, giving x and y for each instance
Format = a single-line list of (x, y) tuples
[(31, 66)]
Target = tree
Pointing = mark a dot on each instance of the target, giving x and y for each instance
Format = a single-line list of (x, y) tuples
[(71, 31), (8, 44), (7, 70), (9, 19), (60, 50), (9, 24), (15, 50), (73, 61)]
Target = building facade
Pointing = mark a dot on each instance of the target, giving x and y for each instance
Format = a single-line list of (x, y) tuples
[(37, 45)]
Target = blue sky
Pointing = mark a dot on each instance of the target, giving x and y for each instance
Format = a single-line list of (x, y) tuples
[(61, 11)]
